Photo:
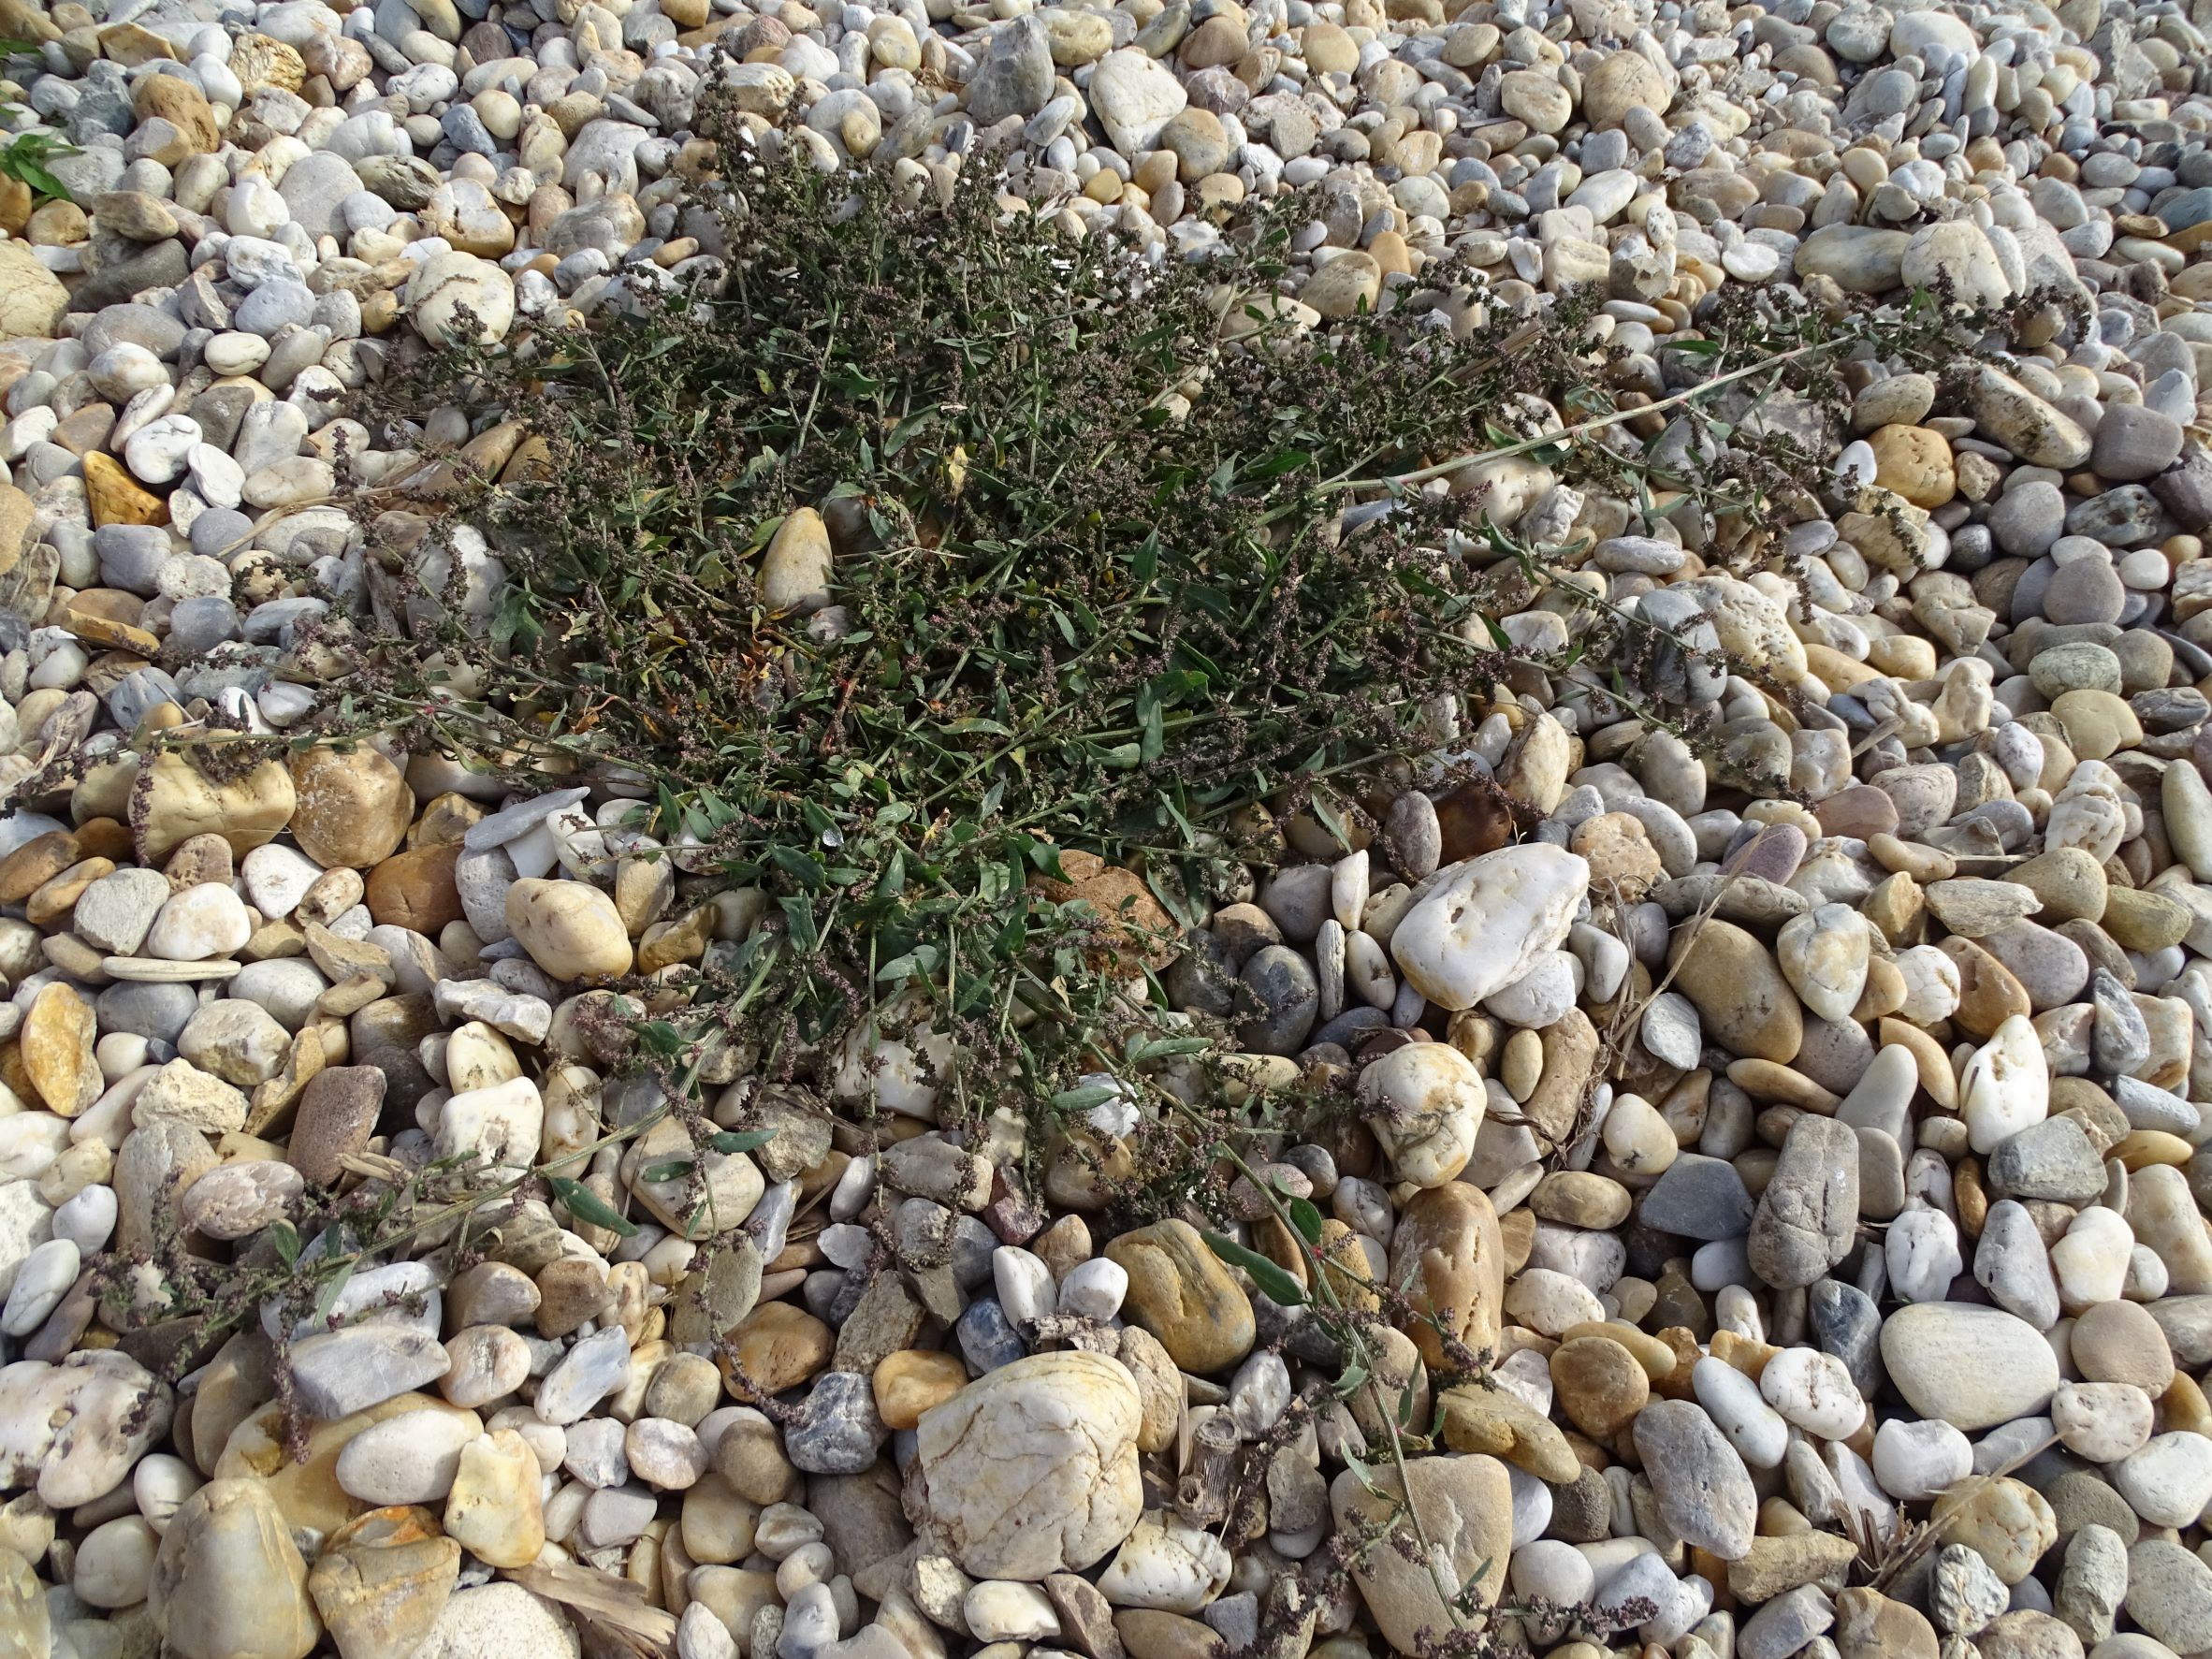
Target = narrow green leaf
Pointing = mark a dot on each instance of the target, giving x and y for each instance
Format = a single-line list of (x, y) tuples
[(332, 1288), (674, 1169), (1045, 855), (1161, 1048), (1288, 460), (1274, 1283), (799, 914), (727, 1141), (587, 1205), (1325, 812), (1306, 1218), (285, 1238), (1364, 1476), (804, 867), (1144, 562), (1083, 1099)]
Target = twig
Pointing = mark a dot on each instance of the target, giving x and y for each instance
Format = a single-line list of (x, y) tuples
[(1398, 481)]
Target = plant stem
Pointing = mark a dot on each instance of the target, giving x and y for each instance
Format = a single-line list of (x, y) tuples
[(1398, 481), (1349, 1333)]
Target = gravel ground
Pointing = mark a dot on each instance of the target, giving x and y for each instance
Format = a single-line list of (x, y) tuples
[(1885, 1221)]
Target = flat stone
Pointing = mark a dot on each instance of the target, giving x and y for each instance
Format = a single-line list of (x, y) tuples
[(1704, 1491), (1466, 1503), (1699, 1197), (1974, 1367), (338, 1373)]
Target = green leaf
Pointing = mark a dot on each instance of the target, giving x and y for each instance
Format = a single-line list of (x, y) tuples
[(1144, 562), (25, 158), (1274, 1283), (804, 867), (1164, 1048), (918, 963), (1361, 1472), (1348, 1384), (285, 1238), (675, 1168), (906, 428), (1288, 460), (514, 623), (587, 1205), (1084, 1098), (1306, 1218), (799, 914), (729, 1141), (1323, 808), (327, 1298), (1149, 718)]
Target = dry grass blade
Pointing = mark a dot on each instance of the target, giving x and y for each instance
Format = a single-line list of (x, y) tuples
[(1889, 1559), (615, 1607), (1629, 1012)]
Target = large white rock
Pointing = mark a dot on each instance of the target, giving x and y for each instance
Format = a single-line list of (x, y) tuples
[(2169, 1482), (502, 1125), (1974, 1367), (1424, 1102), (2007, 1086), (1749, 623), (1478, 925), (1032, 1468), (77, 1427), (501, 1619), (1824, 954), (1914, 32), (446, 284), (1134, 96), (1956, 251), (899, 1073), (1167, 1564), (407, 1459), (26, 1220)]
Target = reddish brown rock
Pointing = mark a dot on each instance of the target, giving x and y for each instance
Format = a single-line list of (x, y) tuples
[(416, 889)]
